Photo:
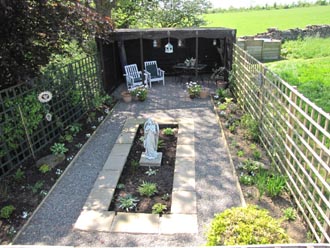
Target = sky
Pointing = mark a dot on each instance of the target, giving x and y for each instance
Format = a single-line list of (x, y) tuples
[(248, 3)]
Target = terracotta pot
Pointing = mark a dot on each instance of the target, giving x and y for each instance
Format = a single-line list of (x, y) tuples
[(204, 93), (126, 95), (222, 84)]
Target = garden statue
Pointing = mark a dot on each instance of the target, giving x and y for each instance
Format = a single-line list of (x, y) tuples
[(151, 135)]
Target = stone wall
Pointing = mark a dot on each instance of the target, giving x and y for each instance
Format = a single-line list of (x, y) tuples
[(295, 33)]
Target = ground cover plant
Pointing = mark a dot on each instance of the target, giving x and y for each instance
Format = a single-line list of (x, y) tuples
[(144, 189), (306, 65), (261, 184), (248, 22), (24, 188)]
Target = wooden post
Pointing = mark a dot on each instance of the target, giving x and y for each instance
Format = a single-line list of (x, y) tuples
[(196, 71), (141, 55)]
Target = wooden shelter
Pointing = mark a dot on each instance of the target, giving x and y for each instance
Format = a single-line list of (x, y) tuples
[(210, 46)]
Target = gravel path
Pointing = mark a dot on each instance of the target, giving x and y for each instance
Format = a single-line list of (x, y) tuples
[(215, 183)]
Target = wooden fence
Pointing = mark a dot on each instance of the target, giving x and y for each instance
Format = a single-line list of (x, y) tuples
[(295, 133), (24, 129)]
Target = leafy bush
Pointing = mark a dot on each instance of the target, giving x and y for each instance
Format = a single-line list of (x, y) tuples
[(251, 127), (245, 226), (19, 175), (275, 185), (158, 208), (246, 179), (168, 131), (44, 168), (290, 214), (58, 149), (128, 202), (148, 189), (6, 211)]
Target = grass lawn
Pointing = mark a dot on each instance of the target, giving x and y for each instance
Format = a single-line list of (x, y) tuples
[(257, 21), (307, 66)]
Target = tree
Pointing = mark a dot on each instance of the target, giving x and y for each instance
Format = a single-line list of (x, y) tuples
[(31, 30), (159, 13)]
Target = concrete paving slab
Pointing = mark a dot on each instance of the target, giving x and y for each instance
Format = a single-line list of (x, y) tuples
[(185, 139), (125, 138), (136, 223), (184, 202), (184, 180), (151, 162), (185, 151), (130, 127), (120, 150), (99, 199), (90, 220), (178, 223), (184, 163), (107, 179), (135, 121), (115, 163)]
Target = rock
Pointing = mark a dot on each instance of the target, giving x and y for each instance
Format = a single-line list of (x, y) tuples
[(51, 160)]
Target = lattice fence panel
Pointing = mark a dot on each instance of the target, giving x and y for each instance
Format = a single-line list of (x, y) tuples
[(74, 88), (296, 134)]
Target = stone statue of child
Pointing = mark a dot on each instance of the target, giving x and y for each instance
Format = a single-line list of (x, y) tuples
[(151, 135)]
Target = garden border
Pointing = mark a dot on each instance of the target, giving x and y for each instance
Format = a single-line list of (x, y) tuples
[(60, 178)]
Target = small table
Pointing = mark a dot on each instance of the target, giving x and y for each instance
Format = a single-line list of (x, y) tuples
[(188, 70)]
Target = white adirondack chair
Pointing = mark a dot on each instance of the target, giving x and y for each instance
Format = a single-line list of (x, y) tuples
[(134, 77), (154, 73)]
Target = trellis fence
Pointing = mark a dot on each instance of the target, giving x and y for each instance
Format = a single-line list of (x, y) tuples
[(295, 133), (24, 129)]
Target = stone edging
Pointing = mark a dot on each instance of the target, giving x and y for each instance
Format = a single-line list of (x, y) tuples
[(183, 217)]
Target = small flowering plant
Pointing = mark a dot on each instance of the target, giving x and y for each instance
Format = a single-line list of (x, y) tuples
[(194, 89), (140, 92)]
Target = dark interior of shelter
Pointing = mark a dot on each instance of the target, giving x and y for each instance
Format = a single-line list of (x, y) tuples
[(209, 46)]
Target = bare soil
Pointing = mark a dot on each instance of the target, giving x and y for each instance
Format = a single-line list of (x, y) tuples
[(26, 193), (132, 177), (240, 150)]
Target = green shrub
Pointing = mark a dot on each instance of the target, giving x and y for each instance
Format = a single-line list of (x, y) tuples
[(275, 185), (245, 226), (158, 208), (44, 168), (246, 179), (168, 131), (128, 202), (19, 175), (58, 149), (251, 127), (290, 214), (148, 189), (6, 211)]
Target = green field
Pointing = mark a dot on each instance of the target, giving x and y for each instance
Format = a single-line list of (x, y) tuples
[(251, 22), (307, 66)]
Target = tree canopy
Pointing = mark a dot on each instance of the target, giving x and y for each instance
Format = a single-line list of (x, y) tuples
[(154, 13), (31, 30)]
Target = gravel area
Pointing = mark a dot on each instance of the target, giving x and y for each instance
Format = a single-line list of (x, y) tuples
[(216, 187)]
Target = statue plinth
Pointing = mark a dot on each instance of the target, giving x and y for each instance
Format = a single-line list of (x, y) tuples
[(144, 161)]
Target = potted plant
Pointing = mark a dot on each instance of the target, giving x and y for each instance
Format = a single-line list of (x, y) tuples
[(140, 93), (194, 89), (219, 75), (126, 95), (204, 93)]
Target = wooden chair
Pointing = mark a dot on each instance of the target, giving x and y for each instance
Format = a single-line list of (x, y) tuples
[(154, 73), (134, 77)]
